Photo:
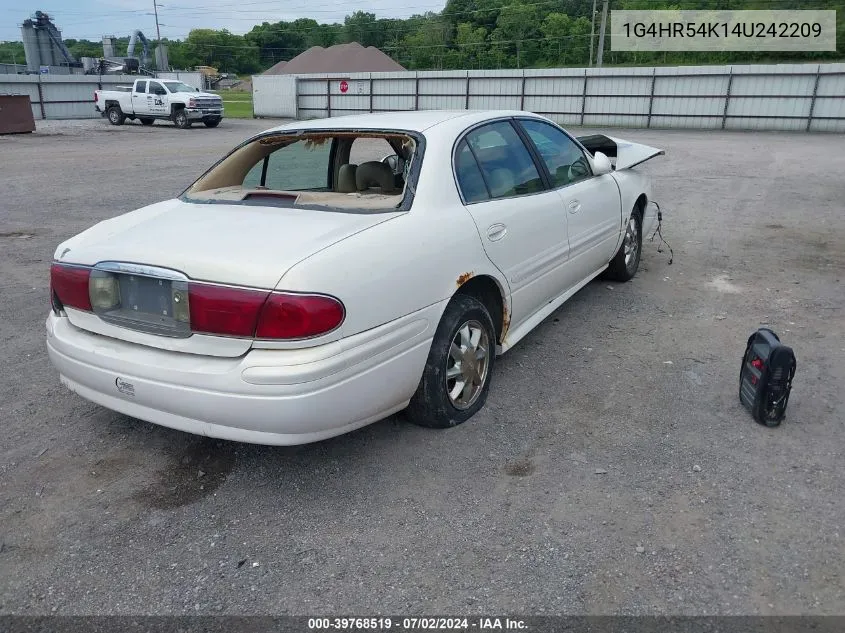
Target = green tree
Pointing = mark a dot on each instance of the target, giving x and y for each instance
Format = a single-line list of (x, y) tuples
[(470, 42), (518, 33), (364, 28)]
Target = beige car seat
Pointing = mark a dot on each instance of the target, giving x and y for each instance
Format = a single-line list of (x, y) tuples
[(374, 174), (346, 178)]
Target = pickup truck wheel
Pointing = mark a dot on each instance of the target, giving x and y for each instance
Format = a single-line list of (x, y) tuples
[(116, 116), (180, 118), (456, 378), (147, 121), (212, 123), (625, 263)]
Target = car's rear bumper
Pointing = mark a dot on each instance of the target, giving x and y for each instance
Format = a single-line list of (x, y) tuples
[(284, 396)]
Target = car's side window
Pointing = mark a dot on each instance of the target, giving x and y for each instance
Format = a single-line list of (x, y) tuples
[(470, 180), (504, 160), (141, 87), (155, 89), (564, 159)]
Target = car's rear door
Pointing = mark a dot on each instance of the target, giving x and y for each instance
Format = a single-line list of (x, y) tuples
[(592, 203), (139, 98), (521, 222)]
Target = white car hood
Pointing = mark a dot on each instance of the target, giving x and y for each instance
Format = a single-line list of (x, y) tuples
[(233, 244)]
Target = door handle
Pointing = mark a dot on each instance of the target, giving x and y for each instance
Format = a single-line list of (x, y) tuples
[(574, 206), (496, 232)]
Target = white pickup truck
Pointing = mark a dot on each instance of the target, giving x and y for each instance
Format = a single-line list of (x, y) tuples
[(151, 99)]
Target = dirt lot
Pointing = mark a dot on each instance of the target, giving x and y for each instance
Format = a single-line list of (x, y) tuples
[(612, 471)]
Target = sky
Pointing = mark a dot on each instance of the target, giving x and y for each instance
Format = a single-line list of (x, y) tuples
[(91, 19)]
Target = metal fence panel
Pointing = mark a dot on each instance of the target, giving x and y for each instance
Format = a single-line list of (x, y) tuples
[(274, 96), (831, 86), (22, 85), (442, 86), (776, 97), (56, 96)]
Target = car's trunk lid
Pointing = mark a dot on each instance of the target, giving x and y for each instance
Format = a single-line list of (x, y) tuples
[(236, 245)]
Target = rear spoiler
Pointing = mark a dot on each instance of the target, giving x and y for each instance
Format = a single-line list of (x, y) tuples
[(626, 153)]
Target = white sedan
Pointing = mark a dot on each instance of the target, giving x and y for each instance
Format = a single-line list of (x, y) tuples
[(328, 273)]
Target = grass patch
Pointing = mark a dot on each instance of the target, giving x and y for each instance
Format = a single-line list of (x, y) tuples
[(237, 105)]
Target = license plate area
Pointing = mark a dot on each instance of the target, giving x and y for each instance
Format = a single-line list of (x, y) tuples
[(141, 302)]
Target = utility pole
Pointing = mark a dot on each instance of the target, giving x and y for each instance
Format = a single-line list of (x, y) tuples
[(159, 52), (592, 32), (600, 53)]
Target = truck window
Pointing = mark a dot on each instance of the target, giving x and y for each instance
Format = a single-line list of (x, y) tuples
[(156, 89), (140, 87)]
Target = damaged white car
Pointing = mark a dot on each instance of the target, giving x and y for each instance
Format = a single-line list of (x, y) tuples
[(326, 274)]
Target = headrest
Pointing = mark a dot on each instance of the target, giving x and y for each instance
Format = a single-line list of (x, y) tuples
[(374, 174), (346, 178)]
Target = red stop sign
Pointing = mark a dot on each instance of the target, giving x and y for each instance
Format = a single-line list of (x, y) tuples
[(344, 86)]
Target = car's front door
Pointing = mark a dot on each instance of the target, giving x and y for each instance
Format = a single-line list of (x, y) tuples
[(592, 203), (157, 99), (521, 222)]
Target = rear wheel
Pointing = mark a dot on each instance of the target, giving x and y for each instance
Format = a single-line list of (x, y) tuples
[(457, 374), (625, 263), (180, 118), (116, 116), (147, 121)]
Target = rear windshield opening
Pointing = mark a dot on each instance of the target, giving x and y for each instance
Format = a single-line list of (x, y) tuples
[(340, 170)]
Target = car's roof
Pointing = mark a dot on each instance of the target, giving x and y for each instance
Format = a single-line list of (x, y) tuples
[(412, 120)]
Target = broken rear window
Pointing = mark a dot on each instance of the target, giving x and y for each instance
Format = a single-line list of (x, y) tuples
[(354, 171)]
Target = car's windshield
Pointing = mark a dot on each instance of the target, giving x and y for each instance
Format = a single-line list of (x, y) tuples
[(178, 86), (341, 170)]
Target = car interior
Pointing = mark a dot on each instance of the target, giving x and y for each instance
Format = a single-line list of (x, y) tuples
[(366, 170)]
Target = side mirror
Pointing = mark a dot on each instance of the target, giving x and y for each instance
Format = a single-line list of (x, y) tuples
[(601, 164), (391, 161)]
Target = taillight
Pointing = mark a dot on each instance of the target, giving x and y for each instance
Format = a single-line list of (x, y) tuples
[(70, 285), (261, 314), (96, 97), (223, 310), (292, 316)]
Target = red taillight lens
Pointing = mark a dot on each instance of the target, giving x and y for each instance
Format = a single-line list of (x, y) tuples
[(757, 363), (225, 311), (96, 97), (70, 285), (291, 316), (261, 314)]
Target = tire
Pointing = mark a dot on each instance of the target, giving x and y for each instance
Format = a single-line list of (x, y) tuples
[(625, 263), (115, 115), (212, 123), (434, 404), (180, 118), (147, 121)]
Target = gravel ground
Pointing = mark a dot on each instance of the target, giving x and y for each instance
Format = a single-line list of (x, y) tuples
[(612, 470)]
